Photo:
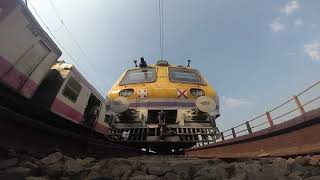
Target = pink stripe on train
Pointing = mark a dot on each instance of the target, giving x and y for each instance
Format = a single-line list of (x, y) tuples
[(66, 111), (163, 104), (17, 80)]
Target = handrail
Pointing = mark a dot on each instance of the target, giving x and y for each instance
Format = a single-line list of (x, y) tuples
[(281, 105), (268, 120), (309, 88)]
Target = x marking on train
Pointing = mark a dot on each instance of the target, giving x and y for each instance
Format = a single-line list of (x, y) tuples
[(182, 94)]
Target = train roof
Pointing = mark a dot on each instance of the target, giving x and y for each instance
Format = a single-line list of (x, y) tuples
[(61, 65), (34, 22)]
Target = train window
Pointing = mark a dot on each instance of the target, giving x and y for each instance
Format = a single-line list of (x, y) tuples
[(183, 75), (72, 90), (145, 75)]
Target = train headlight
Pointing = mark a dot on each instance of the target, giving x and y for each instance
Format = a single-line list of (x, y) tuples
[(206, 104), (126, 92), (197, 92)]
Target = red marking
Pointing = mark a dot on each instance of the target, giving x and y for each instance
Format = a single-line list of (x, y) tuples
[(182, 93), (16, 79), (102, 128), (66, 111)]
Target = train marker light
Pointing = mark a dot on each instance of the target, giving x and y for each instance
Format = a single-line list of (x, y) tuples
[(126, 92), (197, 92), (162, 63)]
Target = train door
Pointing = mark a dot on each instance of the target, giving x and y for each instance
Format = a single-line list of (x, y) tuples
[(20, 72), (92, 111)]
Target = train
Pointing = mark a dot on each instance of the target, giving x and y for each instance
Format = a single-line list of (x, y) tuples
[(163, 106), (29, 66), (160, 106)]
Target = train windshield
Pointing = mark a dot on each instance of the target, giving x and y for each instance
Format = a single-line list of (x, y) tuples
[(183, 75), (145, 75)]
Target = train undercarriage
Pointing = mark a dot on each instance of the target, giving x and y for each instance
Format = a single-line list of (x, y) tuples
[(161, 134), (163, 141)]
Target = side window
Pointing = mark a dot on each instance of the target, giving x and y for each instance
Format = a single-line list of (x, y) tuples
[(72, 90)]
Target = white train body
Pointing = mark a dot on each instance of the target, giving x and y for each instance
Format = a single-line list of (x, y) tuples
[(26, 51), (76, 97)]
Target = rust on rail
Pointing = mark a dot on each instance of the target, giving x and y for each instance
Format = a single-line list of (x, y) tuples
[(294, 137)]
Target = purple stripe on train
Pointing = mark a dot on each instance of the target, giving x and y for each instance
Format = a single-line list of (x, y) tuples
[(163, 104)]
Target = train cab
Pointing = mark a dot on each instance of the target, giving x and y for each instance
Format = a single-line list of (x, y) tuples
[(163, 98)]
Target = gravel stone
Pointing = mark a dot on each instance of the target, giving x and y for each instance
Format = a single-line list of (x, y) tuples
[(296, 173), (19, 171), (169, 176), (55, 170), (301, 160), (314, 161), (313, 178), (138, 173), (290, 161), (36, 178), (58, 166), (203, 178), (298, 168), (145, 177), (127, 175), (89, 159), (241, 176), (158, 170), (118, 171), (52, 158), (73, 167), (30, 165), (8, 163)]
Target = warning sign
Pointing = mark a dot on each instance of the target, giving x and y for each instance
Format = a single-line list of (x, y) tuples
[(182, 94)]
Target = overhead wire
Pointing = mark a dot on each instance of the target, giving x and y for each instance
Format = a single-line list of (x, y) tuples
[(161, 28), (60, 44)]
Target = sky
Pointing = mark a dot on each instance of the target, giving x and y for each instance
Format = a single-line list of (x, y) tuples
[(256, 54)]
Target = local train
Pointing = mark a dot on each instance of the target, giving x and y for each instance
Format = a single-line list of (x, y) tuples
[(164, 103), (29, 66)]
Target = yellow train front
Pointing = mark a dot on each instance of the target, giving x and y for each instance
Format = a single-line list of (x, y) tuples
[(162, 107)]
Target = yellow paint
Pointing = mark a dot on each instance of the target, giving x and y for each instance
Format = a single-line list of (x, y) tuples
[(162, 88)]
